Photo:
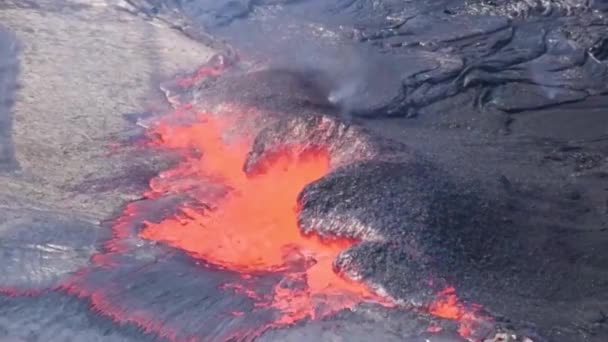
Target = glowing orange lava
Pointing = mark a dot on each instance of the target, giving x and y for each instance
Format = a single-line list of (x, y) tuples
[(254, 228), (448, 305)]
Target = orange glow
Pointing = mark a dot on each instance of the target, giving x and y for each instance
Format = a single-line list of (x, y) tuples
[(448, 305), (254, 228)]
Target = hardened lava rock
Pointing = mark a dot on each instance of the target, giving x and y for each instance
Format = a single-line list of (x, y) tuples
[(40, 248), (171, 295), (414, 221), (9, 68), (417, 221), (345, 142), (397, 58), (394, 268), (518, 8), (272, 90), (370, 322)]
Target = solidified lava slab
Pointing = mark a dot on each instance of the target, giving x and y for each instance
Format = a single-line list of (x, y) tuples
[(9, 70), (40, 249), (420, 231), (398, 58), (346, 143), (410, 203), (53, 316)]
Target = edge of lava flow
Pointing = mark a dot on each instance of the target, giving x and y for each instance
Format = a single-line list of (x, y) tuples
[(253, 229)]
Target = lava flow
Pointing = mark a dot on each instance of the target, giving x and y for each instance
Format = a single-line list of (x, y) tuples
[(254, 268), (253, 228)]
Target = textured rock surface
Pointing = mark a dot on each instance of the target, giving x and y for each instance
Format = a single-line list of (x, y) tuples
[(39, 319), (394, 58), (346, 143), (40, 248)]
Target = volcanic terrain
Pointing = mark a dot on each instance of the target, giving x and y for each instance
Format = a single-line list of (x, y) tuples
[(335, 170)]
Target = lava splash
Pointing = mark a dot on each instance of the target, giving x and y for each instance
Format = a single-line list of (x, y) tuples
[(253, 228)]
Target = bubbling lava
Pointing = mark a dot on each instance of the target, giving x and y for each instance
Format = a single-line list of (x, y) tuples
[(254, 227)]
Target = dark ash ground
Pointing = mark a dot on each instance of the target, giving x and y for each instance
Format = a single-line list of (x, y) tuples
[(478, 131)]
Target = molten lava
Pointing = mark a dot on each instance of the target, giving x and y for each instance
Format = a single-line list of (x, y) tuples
[(448, 306), (253, 229)]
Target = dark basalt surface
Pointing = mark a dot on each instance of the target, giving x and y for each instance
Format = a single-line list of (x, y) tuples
[(42, 248), (345, 142), (59, 317), (394, 58)]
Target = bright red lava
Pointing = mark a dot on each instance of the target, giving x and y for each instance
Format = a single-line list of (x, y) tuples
[(254, 227)]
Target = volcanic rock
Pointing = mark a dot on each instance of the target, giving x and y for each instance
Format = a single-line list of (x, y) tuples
[(413, 54), (272, 90), (345, 142), (8, 83), (40, 248), (412, 209)]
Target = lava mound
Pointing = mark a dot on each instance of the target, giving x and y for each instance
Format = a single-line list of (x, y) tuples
[(417, 225)]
